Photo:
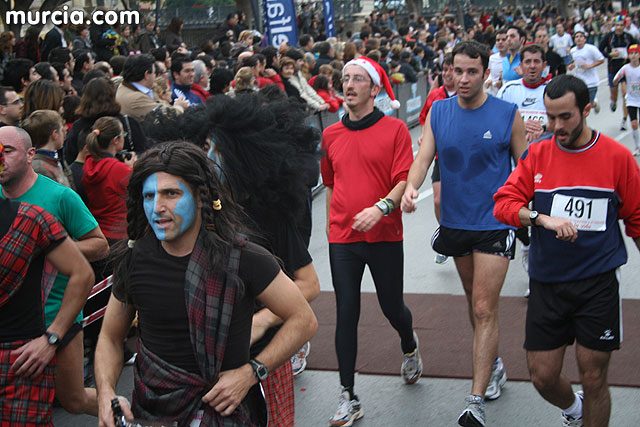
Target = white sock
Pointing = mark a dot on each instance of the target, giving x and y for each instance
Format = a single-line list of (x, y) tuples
[(636, 138), (575, 410)]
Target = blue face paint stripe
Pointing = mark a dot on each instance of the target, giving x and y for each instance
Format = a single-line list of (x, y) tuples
[(150, 187), (186, 207)]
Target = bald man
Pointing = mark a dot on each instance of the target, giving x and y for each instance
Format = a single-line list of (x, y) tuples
[(19, 182)]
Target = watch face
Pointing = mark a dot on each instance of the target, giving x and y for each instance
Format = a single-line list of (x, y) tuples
[(52, 338)]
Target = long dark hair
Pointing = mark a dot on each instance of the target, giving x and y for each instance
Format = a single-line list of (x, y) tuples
[(219, 229), (98, 99)]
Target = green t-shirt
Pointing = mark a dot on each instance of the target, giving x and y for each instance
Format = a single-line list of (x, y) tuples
[(65, 204)]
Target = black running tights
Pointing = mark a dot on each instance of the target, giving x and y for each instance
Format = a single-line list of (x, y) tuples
[(385, 261)]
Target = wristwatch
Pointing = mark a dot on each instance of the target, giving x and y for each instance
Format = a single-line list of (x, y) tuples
[(386, 205), (259, 369), (533, 217), (52, 338), (383, 207)]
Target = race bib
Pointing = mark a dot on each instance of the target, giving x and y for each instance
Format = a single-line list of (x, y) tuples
[(539, 116), (622, 52), (585, 213), (634, 88)]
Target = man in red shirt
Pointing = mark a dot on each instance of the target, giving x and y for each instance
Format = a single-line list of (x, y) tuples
[(444, 91), (367, 158)]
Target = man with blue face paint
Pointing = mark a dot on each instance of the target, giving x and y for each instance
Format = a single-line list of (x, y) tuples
[(193, 280), (164, 210)]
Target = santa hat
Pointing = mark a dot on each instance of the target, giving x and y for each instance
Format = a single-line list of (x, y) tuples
[(634, 48), (377, 74)]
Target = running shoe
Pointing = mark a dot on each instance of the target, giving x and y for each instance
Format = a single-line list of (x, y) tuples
[(473, 414), (613, 106), (636, 153), (568, 421), (441, 259), (496, 381), (596, 107), (527, 292), (412, 364), (349, 411), (525, 258), (623, 125), (299, 360)]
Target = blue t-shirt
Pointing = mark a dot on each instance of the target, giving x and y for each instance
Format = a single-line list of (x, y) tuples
[(474, 151)]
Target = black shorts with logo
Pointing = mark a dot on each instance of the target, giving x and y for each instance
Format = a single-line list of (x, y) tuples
[(586, 310), (459, 243)]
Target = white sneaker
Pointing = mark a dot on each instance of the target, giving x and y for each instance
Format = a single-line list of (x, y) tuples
[(496, 381), (441, 259), (527, 292), (473, 414), (623, 125), (636, 153), (569, 421), (411, 369), (299, 360), (348, 411)]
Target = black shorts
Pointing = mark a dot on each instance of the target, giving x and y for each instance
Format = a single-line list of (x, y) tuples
[(586, 310), (633, 112), (459, 243), (74, 330), (435, 173)]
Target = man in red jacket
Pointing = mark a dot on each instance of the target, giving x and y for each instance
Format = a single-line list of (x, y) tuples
[(444, 91)]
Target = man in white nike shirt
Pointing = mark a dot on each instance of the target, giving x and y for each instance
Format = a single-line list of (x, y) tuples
[(528, 92)]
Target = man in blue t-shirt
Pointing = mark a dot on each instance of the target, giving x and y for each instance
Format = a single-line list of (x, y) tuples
[(475, 161), (511, 63)]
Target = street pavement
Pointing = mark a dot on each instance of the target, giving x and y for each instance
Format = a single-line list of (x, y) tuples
[(435, 401)]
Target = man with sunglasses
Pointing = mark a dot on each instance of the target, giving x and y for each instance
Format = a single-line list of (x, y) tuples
[(10, 107)]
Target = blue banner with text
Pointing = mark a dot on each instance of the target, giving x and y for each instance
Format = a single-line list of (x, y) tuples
[(280, 22), (329, 24)]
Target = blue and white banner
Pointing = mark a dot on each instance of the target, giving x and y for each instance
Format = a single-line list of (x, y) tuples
[(281, 24), (329, 24)]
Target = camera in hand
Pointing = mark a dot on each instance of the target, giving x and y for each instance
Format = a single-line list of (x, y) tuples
[(120, 420), (124, 155)]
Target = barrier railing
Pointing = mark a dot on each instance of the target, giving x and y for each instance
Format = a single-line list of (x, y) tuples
[(98, 314)]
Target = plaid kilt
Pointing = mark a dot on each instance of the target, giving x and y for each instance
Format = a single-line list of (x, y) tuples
[(25, 402), (279, 394)]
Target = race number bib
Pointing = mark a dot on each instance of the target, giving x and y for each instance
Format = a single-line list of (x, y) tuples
[(634, 88), (622, 52), (585, 213), (539, 116)]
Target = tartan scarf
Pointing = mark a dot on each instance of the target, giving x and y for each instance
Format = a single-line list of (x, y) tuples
[(20, 245), (164, 391)]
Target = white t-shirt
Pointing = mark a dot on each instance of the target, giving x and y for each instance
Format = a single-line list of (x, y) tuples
[(530, 101), (587, 56), (632, 75), (561, 44), (495, 66)]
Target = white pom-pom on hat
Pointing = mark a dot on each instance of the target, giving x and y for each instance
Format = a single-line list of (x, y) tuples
[(378, 76)]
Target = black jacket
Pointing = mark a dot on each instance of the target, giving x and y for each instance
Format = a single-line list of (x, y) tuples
[(135, 140)]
